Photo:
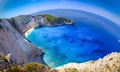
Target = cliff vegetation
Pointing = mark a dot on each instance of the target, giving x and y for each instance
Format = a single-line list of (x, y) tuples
[(57, 20)]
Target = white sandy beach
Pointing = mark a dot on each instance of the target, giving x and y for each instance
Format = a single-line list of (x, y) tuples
[(28, 32)]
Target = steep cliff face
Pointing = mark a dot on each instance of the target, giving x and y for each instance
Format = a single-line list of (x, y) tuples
[(26, 22), (20, 23), (11, 41)]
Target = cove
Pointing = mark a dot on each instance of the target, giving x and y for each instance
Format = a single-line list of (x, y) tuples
[(90, 38)]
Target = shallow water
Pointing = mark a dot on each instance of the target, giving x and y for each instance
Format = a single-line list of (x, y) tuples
[(85, 40)]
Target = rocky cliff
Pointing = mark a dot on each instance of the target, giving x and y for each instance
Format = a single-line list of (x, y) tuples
[(110, 63), (23, 23), (11, 41)]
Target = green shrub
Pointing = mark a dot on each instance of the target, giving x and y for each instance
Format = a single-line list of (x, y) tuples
[(70, 70), (15, 68), (34, 67), (48, 17), (30, 67)]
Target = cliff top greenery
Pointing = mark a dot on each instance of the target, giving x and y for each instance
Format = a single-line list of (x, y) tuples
[(7, 65), (48, 17), (55, 19)]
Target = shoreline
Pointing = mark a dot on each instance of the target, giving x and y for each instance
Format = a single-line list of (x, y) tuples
[(28, 32)]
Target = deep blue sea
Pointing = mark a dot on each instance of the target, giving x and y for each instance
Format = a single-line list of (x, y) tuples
[(90, 38)]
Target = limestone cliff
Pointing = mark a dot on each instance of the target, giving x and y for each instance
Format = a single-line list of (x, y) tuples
[(110, 63), (25, 22), (11, 41)]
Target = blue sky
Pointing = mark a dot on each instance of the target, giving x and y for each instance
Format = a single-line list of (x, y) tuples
[(9, 8)]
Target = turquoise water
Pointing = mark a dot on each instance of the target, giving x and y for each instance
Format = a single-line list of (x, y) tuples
[(85, 40)]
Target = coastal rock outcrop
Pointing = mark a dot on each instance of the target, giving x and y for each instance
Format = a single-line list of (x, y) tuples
[(11, 41), (26, 22), (21, 51), (110, 63), (12, 35)]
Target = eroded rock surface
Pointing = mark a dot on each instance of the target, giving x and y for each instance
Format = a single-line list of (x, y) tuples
[(110, 63), (12, 37), (11, 41), (27, 22)]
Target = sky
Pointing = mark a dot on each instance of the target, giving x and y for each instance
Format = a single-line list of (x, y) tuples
[(10, 8)]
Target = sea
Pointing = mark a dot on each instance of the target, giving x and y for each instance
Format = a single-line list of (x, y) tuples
[(90, 37)]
